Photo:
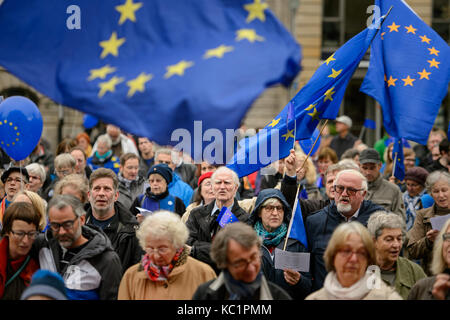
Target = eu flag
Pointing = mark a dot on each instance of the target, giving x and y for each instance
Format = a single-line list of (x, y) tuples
[(408, 72), (297, 228), (319, 99), (149, 66), (397, 155), (370, 124), (225, 217)]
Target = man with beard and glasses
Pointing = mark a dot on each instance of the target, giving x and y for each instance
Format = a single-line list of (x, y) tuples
[(350, 187), (82, 255), (116, 221)]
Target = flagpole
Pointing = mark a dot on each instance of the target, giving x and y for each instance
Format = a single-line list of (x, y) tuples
[(298, 187), (395, 164)]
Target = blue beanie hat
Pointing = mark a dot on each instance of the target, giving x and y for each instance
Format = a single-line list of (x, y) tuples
[(46, 283), (163, 170)]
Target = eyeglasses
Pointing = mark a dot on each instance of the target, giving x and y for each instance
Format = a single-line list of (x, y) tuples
[(63, 172), (19, 235), (67, 225), (161, 250), (446, 237), (271, 208), (16, 180), (243, 263), (347, 253), (350, 191)]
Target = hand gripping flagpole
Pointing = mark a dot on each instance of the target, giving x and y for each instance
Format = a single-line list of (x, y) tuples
[(298, 187)]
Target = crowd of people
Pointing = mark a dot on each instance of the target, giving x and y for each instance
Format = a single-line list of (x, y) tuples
[(122, 218)]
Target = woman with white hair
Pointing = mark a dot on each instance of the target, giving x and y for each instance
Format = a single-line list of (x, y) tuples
[(37, 175), (348, 256), (436, 287), (166, 271), (104, 157), (388, 231)]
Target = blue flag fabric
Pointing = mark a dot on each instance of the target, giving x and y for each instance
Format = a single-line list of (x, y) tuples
[(393, 139), (319, 99), (408, 72), (448, 133), (225, 217), (150, 66), (370, 124), (298, 227), (397, 156)]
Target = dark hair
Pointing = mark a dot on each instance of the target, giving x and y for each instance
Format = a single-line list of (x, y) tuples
[(127, 156), (65, 145), (444, 146), (328, 153), (19, 211)]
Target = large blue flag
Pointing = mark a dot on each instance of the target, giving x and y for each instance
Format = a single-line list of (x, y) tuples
[(319, 99), (398, 157), (150, 66), (408, 73)]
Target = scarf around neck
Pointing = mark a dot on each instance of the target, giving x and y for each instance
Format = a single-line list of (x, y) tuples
[(356, 292), (157, 273), (239, 290), (271, 238)]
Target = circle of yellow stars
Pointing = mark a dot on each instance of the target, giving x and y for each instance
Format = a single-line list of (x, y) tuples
[(15, 128), (112, 46), (424, 74)]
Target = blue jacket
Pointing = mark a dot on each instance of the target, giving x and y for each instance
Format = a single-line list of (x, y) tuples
[(112, 162), (303, 287), (319, 228), (180, 189)]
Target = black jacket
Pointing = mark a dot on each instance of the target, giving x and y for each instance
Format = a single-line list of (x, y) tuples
[(216, 290), (201, 224), (186, 171), (122, 234), (319, 228)]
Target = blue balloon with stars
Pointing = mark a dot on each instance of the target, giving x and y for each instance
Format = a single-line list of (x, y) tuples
[(20, 126)]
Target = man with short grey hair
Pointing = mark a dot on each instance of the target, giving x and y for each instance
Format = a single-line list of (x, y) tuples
[(81, 254), (381, 191), (202, 222), (350, 187)]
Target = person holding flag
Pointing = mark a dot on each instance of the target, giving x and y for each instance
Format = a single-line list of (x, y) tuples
[(270, 219)]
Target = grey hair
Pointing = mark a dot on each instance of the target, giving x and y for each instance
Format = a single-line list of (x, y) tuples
[(105, 138), (434, 177), (240, 232), (161, 224), (65, 160), (364, 185), (165, 151), (349, 164), (62, 201), (380, 220), (37, 169), (224, 169)]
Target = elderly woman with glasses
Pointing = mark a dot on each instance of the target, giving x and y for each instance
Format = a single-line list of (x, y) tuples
[(388, 231), (270, 219), (166, 271), (349, 253), (436, 287), (422, 236), (20, 229)]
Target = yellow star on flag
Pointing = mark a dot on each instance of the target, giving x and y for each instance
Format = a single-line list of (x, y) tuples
[(274, 122), (138, 84), (314, 115), (178, 68), (433, 51), (256, 10), (329, 94), (111, 46), (424, 74), (393, 27), (288, 135), (128, 10), (408, 81), (109, 85), (248, 34), (330, 58), (411, 29), (311, 106), (391, 81), (433, 63), (101, 72), (334, 73), (425, 39), (382, 35), (217, 52)]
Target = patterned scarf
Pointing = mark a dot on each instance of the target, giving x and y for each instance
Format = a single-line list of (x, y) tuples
[(412, 205), (157, 273), (271, 238)]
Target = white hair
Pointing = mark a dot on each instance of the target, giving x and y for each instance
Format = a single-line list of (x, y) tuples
[(364, 185)]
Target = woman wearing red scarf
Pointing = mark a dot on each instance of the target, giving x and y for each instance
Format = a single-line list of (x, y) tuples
[(20, 229), (166, 271)]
